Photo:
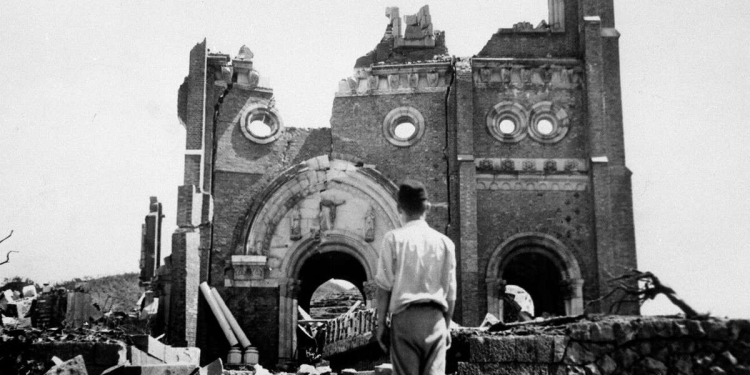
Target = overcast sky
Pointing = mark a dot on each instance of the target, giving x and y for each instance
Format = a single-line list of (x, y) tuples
[(89, 127)]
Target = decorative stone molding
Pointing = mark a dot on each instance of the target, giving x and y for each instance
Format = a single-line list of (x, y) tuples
[(397, 79), (399, 116), (557, 118), (532, 182), (265, 114), (249, 267), (511, 112), (534, 166), (528, 73)]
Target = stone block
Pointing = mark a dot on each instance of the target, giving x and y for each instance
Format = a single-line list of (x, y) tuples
[(561, 343), (601, 332), (545, 349), (683, 364), (525, 349), (492, 349), (650, 366), (190, 355), (623, 332), (626, 357), (607, 365), (75, 366), (138, 357), (578, 354), (150, 346)]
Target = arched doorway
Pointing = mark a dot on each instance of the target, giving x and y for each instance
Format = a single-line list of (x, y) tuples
[(542, 266), (314, 263), (314, 208), (321, 267)]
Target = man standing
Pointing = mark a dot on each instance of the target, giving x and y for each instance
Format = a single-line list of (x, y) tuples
[(416, 279)]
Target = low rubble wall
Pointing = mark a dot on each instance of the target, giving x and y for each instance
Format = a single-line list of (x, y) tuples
[(610, 345)]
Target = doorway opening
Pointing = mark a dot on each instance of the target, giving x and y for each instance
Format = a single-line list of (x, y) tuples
[(538, 275)]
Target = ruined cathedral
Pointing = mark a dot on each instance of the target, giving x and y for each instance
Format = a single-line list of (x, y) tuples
[(520, 147)]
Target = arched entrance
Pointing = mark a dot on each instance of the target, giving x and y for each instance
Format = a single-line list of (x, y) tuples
[(541, 265), (323, 266), (312, 264), (318, 220)]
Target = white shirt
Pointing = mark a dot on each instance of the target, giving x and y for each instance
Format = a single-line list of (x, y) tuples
[(417, 264)]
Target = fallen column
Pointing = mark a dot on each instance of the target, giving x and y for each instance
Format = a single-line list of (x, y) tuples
[(218, 314)]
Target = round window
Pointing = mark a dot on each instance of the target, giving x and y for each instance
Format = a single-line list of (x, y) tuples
[(550, 122), (507, 126), (259, 129), (545, 127), (261, 124), (405, 130), (506, 122), (403, 126)]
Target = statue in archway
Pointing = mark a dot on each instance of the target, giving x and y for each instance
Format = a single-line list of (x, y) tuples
[(327, 214), (295, 229), (370, 225)]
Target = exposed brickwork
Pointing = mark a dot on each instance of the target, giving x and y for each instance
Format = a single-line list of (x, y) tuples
[(357, 123), (507, 43)]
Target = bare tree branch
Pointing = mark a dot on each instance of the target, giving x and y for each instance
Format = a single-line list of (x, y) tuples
[(11, 233), (7, 255), (652, 288)]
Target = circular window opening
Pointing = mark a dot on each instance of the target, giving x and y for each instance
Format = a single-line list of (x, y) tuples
[(405, 130), (259, 129), (507, 126), (545, 127), (403, 126), (333, 298)]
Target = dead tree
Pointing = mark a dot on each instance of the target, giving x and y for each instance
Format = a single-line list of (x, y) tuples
[(7, 255), (651, 287)]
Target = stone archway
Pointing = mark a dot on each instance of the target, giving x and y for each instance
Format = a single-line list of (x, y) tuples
[(301, 282), (542, 265), (316, 207)]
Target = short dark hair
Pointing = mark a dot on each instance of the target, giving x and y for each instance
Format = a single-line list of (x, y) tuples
[(412, 197)]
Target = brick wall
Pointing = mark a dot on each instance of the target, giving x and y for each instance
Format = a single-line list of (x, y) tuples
[(507, 43), (356, 125)]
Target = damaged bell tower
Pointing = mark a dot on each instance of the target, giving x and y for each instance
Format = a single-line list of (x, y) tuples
[(520, 146)]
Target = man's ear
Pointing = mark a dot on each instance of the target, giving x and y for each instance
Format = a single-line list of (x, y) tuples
[(427, 206)]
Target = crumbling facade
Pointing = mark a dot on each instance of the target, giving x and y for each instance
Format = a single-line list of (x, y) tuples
[(521, 149)]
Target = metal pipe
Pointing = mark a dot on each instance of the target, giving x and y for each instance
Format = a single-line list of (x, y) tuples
[(244, 342), (218, 314)]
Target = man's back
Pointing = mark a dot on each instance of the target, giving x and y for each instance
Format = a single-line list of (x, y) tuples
[(422, 264)]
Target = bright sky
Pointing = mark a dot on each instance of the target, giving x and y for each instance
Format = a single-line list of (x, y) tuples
[(89, 126)]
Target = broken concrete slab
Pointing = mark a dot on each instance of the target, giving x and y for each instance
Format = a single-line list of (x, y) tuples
[(75, 366)]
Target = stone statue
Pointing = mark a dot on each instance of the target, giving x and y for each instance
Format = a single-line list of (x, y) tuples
[(327, 214), (370, 225), (295, 228)]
